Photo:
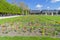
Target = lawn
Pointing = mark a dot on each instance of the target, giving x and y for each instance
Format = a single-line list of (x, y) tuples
[(44, 25), (28, 38), (31, 18)]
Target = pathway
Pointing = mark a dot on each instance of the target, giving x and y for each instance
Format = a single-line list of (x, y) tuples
[(9, 16)]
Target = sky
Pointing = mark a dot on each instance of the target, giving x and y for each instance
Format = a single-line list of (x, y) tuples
[(40, 4)]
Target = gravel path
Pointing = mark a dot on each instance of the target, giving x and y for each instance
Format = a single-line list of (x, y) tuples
[(9, 16)]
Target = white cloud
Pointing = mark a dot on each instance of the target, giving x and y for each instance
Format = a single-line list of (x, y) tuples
[(39, 6), (58, 8), (54, 1), (48, 7)]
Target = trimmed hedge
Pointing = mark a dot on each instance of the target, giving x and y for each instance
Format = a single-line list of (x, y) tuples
[(5, 7)]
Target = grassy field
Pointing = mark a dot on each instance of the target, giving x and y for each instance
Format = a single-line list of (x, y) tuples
[(48, 24), (43, 20), (48, 21), (32, 18), (28, 38)]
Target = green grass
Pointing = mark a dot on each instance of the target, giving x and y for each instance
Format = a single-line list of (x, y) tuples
[(34, 19), (28, 38)]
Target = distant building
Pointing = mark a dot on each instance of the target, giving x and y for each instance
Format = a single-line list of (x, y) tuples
[(50, 12), (45, 12), (35, 12)]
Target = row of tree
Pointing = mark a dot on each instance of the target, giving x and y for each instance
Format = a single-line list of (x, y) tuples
[(24, 8), (7, 8)]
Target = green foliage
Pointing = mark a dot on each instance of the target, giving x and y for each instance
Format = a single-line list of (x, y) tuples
[(27, 38), (45, 23), (5, 7)]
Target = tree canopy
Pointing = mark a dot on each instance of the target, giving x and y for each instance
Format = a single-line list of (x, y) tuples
[(6, 7)]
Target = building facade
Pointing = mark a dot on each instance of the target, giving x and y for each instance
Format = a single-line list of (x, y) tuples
[(45, 12)]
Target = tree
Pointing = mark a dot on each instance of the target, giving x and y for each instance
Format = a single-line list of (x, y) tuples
[(24, 8), (7, 8)]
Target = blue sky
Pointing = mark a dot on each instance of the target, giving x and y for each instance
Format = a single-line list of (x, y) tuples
[(40, 4)]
